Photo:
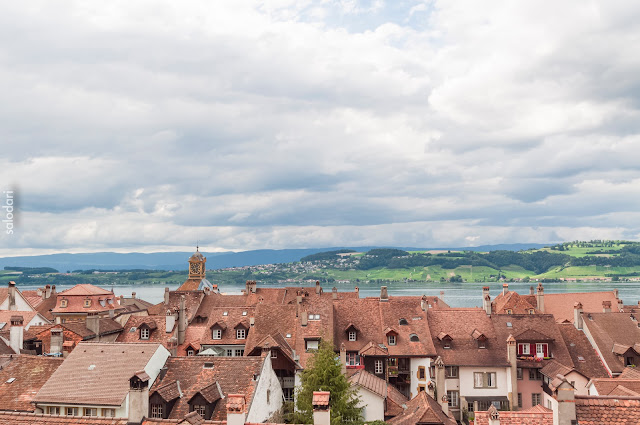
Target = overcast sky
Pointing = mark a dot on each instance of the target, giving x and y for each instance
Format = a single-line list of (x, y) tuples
[(149, 125)]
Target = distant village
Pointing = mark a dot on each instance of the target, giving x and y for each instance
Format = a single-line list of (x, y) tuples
[(86, 356)]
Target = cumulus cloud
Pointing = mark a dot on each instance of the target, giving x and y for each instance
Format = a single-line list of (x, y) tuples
[(279, 124)]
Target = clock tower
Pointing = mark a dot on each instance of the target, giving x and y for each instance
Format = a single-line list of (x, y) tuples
[(197, 264)]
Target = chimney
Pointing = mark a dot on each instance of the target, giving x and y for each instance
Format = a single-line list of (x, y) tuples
[(540, 297), (334, 293), (47, 291), (343, 359), (172, 346), (442, 295), (512, 354), (615, 292), (424, 303), (251, 287), (384, 295), (236, 409), (577, 315), (493, 415), (486, 300), (440, 388), (12, 295), (181, 321), (93, 324), (318, 287), (299, 296), (321, 408), (166, 296), (357, 291), (133, 295), (565, 396), (505, 288), (606, 306), (53, 289), (170, 321), (531, 290), (16, 334), (57, 339), (112, 313), (138, 397), (304, 317)]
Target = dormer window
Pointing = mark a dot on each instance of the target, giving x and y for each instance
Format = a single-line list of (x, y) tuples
[(414, 338), (509, 311), (403, 321), (87, 302), (352, 335), (144, 333), (391, 339), (531, 311), (216, 333), (241, 333), (446, 339), (63, 303)]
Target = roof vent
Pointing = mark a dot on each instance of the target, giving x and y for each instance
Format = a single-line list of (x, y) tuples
[(208, 365), (414, 338)]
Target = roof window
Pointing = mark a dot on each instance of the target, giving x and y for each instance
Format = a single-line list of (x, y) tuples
[(403, 321), (414, 338)]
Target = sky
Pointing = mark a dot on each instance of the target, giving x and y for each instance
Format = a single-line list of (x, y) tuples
[(153, 125)]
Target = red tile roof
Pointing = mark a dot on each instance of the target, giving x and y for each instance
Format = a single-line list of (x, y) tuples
[(537, 415), (30, 373), (612, 411), (518, 304), (561, 305), (585, 359), (7, 418), (157, 325), (321, 398), (84, 289), (608, 329), (422, 409), (370, 382)]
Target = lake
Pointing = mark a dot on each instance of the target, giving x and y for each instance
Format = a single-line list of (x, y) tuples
[(467, 294)]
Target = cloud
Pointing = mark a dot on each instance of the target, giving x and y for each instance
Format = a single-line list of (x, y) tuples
[(291, 124)]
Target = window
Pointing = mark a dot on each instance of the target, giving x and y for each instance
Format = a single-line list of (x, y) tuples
[(391, 339), (414, 338), (239, 352), (72, 411), (144, 333), (274, 354), (519, 399), (87, 303), (484, 379), (536, 399), (268, 396), (535, 375), (352, 335), (523, 349), (156, 411), (519, 373), (629, 361), (379, 369), (470, 406), (51, 410), (241, 333), (541, 350), (190, 352), (288, 394), (453, 399), (312, 344), (482, 343), (90, 411), (421, 388), (509, 311), (451, 371), (217, 333), (229, 353), (109, 413), (403, 321), (314, 317), (531, 311), (208, 365), (422, 373), (63, 303), (200, 408), (353, 358)]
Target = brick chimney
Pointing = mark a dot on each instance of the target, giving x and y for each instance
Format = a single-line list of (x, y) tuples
[(166, 296), (357, 291), (440, 386), (540, 297), (505, 288), (93, 324), (236, 409), (318, 287), (531, 290), (12, 295), (251, 286), (384, 295), (138, 397), (321, 408), (57, 338), (182, 321), (512, 354), (606, 306), (334, 293), (47, 291), (304, 317), (486, 300), (424, 303), (16, 334), (133, 295), (577, 315)]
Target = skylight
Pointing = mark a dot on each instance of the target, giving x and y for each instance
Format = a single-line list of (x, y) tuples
[(581, 359), (10, 380), (226, 313), (509, 325), (244, 313)]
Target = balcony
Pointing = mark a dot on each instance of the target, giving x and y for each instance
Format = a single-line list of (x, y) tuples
[(287, 381)]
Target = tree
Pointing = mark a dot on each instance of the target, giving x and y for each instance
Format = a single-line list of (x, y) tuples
[(324, 374)]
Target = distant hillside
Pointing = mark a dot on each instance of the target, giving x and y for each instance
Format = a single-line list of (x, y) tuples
[(217, 260)]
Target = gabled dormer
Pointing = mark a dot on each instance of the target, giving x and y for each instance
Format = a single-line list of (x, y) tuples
[(480, 338), (445, 339), (352, 332), (162, 400), (242, 329), (392, 336), (146, 328), (217, 330), (204, 401)]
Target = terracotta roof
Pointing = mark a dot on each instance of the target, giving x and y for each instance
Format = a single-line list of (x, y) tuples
[(4, 293), (192, 300), (92, 367), (459, 324), (7, 418), (370, 382), (518, 304), (27, 316), (608, 329), (395, 401), (561, 305), (585, 359), (101, 300), (30, 373), (46, 306), (616, 386), (85, 289), (158, 333), (529, 325), (190, 285), (233, 375), (537, 415), (5, 348), (422, 409), (553, 368), (614, 411), (32, 297), (630, 373), (321, 398)]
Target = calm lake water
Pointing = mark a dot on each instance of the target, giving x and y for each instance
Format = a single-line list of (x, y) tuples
[(468, 294)]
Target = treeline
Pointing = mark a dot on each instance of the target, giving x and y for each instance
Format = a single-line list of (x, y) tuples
[(322, 256)]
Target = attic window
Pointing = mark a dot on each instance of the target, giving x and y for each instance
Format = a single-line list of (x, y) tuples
[(87, 302), (581, 359), (414, 338), (314, 317), (288, 335), (244, 313), (144, 333), (352, 336), (391, 339), (509, 311), (207, 365), (10, 380), (63, 303), (226, 313), (403, 321), (509, 325)]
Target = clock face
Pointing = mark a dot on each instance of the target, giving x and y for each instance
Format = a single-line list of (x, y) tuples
[(193, 268)]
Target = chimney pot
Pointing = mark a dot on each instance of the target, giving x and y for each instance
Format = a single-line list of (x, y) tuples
[(384, 295), (321, 408), (236, 409), (318, 287)]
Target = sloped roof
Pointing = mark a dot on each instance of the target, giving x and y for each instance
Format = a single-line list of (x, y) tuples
[(608, 329), (518, 304), (553, 368), (598, 411), (21, 418), (85, 289), (156, 323), (585, 360), (422, 409), (561, 304), (370, 382), (93, 367), (537, 415), (30, 373)]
